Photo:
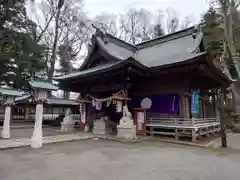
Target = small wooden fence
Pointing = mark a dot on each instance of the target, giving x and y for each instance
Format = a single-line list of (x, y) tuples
[(179, 127)]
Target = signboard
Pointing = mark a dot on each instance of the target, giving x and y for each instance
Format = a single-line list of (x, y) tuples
[(140, 120), (146, 103), (195, 102), (140, 115)]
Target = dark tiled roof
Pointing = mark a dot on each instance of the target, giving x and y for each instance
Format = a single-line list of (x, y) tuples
[(170, 49), (8, 91), (87, 71), (42, 84), (23, 98), (55, 101)]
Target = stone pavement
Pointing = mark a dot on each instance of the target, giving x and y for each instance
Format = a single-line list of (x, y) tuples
[(24, 142), (108, 160), (28, 131), (21, 138), (233, 142)]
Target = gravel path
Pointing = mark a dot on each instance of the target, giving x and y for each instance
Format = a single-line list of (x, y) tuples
[(107, 160)]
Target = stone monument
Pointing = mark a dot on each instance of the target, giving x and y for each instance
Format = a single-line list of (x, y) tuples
[(126, 127), (67, 124), (99, 126)]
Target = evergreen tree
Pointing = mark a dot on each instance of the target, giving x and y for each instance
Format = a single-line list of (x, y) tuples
[(158, 31), (213, 33), (214, 38), (17, 43)]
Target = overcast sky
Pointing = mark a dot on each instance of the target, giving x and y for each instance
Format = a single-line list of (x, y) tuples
[(192, 8)]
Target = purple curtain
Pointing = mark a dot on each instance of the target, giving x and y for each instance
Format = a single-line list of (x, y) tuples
[(161, 103), (90, 110)]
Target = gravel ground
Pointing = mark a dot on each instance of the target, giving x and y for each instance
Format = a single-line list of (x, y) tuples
[(107, 160)]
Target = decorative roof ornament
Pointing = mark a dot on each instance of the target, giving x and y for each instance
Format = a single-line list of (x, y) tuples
[(100, 34), (105, 39)]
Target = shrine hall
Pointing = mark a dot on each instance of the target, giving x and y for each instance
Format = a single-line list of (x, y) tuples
[(168, 84)]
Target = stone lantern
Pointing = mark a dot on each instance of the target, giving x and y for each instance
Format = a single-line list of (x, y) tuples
[(7, 98), (40, 91)]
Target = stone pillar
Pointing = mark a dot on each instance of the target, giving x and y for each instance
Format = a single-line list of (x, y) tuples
[(6, 123), (99, 126), (83, 116), (36, 140)]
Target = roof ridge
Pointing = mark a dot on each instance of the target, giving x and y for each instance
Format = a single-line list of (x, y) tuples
[(120, 40), (167, 37)]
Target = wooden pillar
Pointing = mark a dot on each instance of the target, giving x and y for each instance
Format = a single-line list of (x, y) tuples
[(126, 94), (83, 116), (194, 131), (126, 86), (181, 106), (217, 108), (186, 107), (205, 108), (26, 113), (222, 122), (201, 113), (214, 105)]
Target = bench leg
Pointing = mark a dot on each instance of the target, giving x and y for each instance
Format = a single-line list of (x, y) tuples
[(176, 134), (151, 131), (194, 135)]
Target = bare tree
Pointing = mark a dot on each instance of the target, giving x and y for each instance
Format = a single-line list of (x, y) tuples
[(158, 26), (172, 21), (146, 24), (55, 41), (186, 22), (107, 22), (61, 25), (136, 25), (130, 25)]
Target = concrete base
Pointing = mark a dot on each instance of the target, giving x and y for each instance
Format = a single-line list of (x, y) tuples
[(99, 127), (86, 128), (126, 129), (66, 127), (126, 132), (36, 142)]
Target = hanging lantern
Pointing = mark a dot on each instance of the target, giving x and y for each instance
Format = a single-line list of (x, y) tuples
[(98, 105), (40, 94)]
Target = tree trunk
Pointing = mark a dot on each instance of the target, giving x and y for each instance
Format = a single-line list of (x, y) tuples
[(54, 48), (227, 8)]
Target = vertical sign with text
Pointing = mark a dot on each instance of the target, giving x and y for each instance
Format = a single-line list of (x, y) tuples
[(195, 102)]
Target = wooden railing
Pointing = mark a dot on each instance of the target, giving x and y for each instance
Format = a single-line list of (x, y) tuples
[(183, 127), (181, 121)]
